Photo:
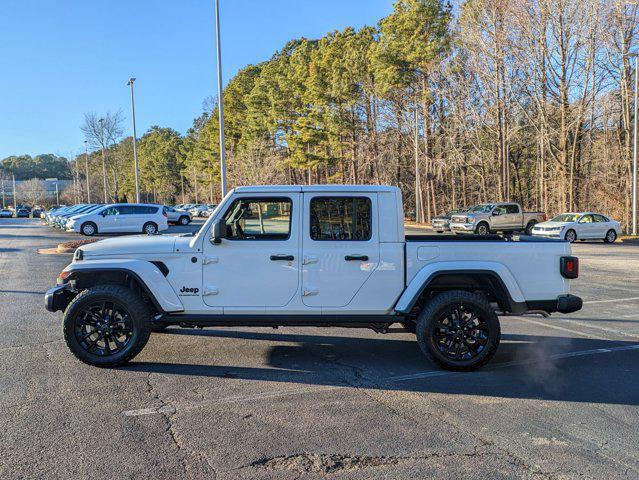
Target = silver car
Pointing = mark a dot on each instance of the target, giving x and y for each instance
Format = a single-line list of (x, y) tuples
[(177, 216)]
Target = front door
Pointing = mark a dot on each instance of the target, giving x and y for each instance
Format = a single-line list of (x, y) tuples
[(109, 220), (256, 265), (340, 246), (500, 218)]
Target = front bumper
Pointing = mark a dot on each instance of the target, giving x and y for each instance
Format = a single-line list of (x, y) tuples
[(462, 227), (441, 226), (57, 298), (547, 234)]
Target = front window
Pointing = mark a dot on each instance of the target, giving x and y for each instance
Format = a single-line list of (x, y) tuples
[(484, 208), (259, 219), (341, 218), (566, 217)]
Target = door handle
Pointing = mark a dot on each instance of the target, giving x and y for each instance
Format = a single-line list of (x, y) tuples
[(363, 258), (288, 258)]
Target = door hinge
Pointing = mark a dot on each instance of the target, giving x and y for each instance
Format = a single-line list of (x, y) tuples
[(308, 259), (208, 260), (309, 291), (210, 291)]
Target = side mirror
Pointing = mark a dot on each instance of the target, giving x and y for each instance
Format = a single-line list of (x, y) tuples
[(496, 213), (219, 230), (104, 213)]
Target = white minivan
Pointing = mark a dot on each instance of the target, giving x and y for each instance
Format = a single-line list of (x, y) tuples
[(120, 218)]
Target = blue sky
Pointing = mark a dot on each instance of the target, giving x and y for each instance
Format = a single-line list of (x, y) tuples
[(62, 58)]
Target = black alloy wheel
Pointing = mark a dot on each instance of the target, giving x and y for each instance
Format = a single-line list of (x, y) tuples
[(107, 325), (459, 330)]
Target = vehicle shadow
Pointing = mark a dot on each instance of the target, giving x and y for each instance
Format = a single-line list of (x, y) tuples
[(535, 367)]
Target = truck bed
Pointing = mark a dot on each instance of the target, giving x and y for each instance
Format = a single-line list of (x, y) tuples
[(520, 257), (479, 238)]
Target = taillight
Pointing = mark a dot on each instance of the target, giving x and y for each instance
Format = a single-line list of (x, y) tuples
[(569, 267), (165, 214), (544, 217)]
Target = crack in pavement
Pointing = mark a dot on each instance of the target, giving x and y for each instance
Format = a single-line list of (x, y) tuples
[(199, 465)]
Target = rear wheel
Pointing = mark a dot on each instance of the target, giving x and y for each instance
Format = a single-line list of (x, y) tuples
[(611, 236), (530, 226), (106, 325), (150, 228), (570, 236), (184, 220), (458, 330)]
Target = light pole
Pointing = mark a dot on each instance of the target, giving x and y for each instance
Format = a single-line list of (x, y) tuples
[(634, 150), (104, 173), (219, 99), (86, 166), (135, 147)]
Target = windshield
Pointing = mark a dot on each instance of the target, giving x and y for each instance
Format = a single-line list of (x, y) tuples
[(566, 217), (485, 208)]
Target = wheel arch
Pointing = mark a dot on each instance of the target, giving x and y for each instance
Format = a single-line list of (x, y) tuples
[(146, 277), (497, 282)]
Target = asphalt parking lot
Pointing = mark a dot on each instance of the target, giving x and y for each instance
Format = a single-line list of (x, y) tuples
[(559, 400)]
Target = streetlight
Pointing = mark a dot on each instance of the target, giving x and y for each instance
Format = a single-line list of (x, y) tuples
[(634, 150), (219, 98), (104, 173), (135, 147), (86, 166)]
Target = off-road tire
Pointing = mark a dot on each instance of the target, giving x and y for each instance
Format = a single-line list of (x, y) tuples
[(482, 229), (611, 236), (150, 228), (90, 233), (437, 307), (137, 309), (184, 220), (573, 236)]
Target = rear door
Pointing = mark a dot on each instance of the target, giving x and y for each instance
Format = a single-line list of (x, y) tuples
[(340, 246)]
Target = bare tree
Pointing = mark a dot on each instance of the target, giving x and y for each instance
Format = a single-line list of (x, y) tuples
[(102, 132)]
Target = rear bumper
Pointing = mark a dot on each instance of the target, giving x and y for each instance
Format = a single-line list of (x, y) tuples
[(562, 304)]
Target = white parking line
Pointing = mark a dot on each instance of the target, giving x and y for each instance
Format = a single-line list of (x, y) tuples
[(612, 300), (557, 327), (557, 356), (401, 378)]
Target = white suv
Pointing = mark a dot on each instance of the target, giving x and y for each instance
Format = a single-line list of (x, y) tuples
[(120, 218)]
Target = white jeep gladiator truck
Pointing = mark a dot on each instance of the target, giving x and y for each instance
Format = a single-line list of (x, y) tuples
[(488, 218), (310, 256)]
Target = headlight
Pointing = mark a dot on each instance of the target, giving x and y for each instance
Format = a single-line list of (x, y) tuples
[(554, 229), (471, 219)]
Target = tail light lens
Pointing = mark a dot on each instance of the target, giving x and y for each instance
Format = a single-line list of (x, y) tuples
[(544, 217), (569, 267)]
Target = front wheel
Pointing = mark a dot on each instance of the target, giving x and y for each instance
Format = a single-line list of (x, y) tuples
[(89, 229), (106, 325), (458, 330), (184, 220), (570, 236), (610, 237), (482, 229)]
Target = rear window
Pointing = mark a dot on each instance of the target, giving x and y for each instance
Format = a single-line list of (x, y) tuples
[(341, 218)]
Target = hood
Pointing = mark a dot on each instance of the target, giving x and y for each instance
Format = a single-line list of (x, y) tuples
[(131, 244), (552, 224)]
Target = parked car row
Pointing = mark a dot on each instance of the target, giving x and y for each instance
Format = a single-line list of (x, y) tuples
[(508, 217), (21, 211), (91, 219), (197, 209)]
